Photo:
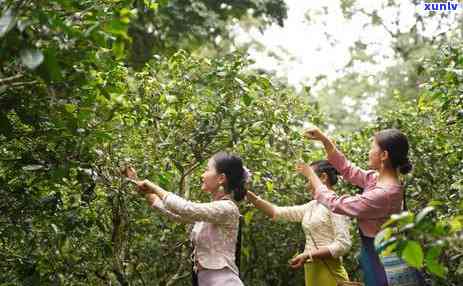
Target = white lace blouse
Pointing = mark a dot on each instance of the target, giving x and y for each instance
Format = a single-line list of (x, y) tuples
[(327, 228)]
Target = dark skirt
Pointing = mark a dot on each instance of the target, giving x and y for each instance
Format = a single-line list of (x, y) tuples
[(194, 278), (373, 270)]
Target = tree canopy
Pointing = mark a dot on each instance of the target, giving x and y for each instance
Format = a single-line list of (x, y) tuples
[(87, 87)]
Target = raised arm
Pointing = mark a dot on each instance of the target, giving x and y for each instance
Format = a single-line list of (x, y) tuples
[(292, 213), (217, 212), (348, 171), (308, 172), (157, 204), (316, 134), (372, 204), (153, 200), (268, 208)]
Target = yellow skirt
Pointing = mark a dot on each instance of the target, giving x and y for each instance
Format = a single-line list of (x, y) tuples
[(316, 273)]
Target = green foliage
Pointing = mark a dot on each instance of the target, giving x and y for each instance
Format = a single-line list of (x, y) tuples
[(73, 111), (413, 254), (167, 120), (212, 105), (163, 27)]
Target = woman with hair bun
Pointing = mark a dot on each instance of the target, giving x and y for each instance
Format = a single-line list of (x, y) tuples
[(215, 230), (327, 234), (382, 193)]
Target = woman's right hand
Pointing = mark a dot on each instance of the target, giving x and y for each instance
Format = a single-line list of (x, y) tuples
[(147, 187), (314, 134), (143, 186), (298, 261), (304, 169), (250, 196)]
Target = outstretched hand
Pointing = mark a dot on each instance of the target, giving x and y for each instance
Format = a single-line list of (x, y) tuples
[(250, 194), (145, 186), (251, 197), (142, 185), (130, 173), (315, 134)]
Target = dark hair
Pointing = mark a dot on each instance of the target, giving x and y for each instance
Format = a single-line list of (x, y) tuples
[(396, 144), (232, 166), (323, 166)]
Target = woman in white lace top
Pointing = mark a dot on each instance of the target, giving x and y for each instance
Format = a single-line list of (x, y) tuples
[(215, 224), (327, 234)]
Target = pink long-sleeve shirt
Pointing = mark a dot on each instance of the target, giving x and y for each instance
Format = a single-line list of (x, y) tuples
[(215, 228), (373, 207)]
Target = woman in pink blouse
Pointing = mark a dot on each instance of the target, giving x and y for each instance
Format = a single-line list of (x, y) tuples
[(382, 193), (215, 230)]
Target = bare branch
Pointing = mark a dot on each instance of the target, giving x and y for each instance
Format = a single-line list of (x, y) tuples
[(9, 79), (23, 83), (178, 274)]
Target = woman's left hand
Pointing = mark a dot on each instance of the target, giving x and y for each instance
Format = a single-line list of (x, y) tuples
[(304, 169), (298, 261)]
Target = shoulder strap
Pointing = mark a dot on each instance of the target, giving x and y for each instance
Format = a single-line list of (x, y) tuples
[(405, 198), (238, 244), (323, 260), (316, 246)]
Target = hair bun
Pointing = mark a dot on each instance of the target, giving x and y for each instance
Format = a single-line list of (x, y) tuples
[(406, 167), (324, 166)]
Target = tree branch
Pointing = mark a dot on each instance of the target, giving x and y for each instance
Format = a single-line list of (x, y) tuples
[(9, 79), (19, 84)]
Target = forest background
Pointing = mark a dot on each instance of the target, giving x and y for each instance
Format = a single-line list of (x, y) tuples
[(89, 86)]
